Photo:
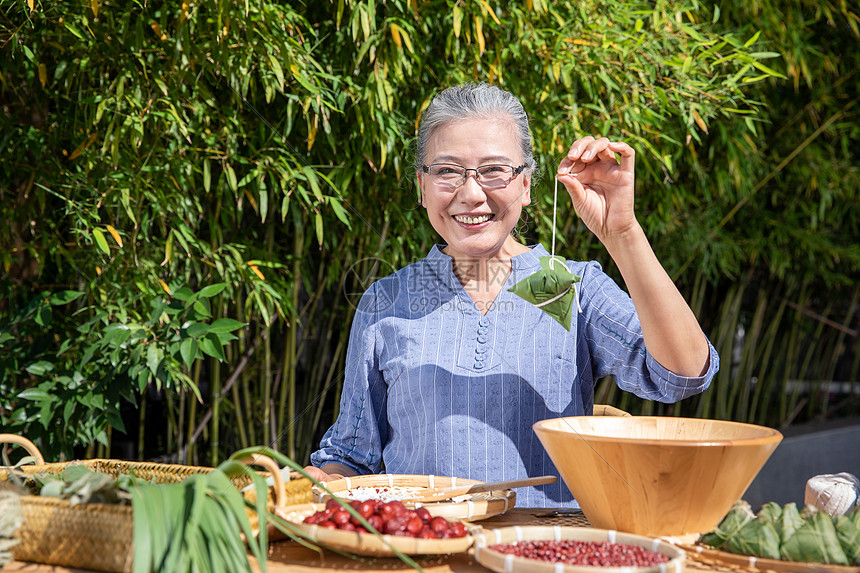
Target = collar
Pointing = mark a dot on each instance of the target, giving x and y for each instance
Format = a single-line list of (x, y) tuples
[(527, 260)]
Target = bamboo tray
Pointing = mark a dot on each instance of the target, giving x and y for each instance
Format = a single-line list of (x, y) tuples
[(478, 506), (707, 555), (503, 563), (367, 543)]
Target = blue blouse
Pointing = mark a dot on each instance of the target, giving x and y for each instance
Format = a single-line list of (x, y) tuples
[(432, 386)]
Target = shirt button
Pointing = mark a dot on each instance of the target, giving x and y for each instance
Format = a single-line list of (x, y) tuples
[(481, 350), (483, 330), (479, 365), (484, 322), (482, 339)]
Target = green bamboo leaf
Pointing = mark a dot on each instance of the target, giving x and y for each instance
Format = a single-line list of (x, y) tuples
[(339, 211), (226, 325), (212, 290), (101, 241), (201, 307), (154, 354), (212, 346), (65, 297), (279, 72), (188, 351), (313, 180), (752, 40), (36, 395), (39, 368), (230, 174), (285, 207), (207, 175), (263, 201), (318, 224), (197, 329)]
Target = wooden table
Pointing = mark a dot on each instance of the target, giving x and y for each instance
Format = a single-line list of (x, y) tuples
[(290, 557)]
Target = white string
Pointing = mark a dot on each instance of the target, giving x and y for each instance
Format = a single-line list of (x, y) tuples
[(552, 252), (554, 210), (555, 298)]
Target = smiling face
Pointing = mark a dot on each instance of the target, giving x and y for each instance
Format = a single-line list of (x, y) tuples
[(475, 222)]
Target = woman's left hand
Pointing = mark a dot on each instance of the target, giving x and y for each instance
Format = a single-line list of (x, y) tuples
[(600, 186)]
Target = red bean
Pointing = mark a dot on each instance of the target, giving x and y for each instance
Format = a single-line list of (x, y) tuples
[(341, 517), (391, 518), (439, 525), (589, 553), (375, 521), (366, 509), (457, 529), (397, 506), (386, 512), (414, 525), (395, 524)]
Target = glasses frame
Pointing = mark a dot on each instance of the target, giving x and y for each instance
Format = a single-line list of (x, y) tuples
[(517, 171)]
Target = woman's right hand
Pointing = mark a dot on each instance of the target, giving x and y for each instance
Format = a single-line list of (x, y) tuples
[(320, 475)]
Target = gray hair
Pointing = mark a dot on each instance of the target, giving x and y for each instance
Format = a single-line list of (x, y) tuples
[(475, 101)]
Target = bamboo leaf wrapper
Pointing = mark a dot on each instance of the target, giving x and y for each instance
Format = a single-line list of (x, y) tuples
[(551, 288)]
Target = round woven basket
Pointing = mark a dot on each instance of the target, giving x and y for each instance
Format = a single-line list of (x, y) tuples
[(506, 563), (368, 543), (478, 506)]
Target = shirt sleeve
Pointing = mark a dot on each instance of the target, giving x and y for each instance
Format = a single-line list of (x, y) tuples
[(617, 347), (361, 430)]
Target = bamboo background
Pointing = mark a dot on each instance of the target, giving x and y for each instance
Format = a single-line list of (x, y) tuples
[(191, 196)]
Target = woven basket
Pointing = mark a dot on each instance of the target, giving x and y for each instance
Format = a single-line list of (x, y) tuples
[(99, 536), (478, 506)]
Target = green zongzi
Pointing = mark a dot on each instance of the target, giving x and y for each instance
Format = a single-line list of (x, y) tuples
[(848, 533), (757, 537), (736, 518), (552, 289), (815, 541), (789, 521)]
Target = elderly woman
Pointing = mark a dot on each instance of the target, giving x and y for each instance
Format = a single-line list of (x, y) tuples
[(447, 370)]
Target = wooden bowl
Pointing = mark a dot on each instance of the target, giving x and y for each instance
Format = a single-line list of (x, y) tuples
[(504, 563), (656, 476)]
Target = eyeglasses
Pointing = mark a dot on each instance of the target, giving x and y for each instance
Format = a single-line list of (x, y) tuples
[(490, 177)]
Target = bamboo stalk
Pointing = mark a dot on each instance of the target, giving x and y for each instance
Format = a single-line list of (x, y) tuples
[(171, 423), (235, 400), (766, 371), (248, 427), (215, 394), (730, 317), (230, 385), (141, 424), (266, 385), (791, 364), (180, 430), (290, 387), (320, 400), (739, 396), (192, 412), (812, 352)]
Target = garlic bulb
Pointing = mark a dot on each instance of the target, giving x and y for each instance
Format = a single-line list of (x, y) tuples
[(836, 494)]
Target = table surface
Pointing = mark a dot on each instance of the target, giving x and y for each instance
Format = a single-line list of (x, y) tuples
[(287, 556)]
